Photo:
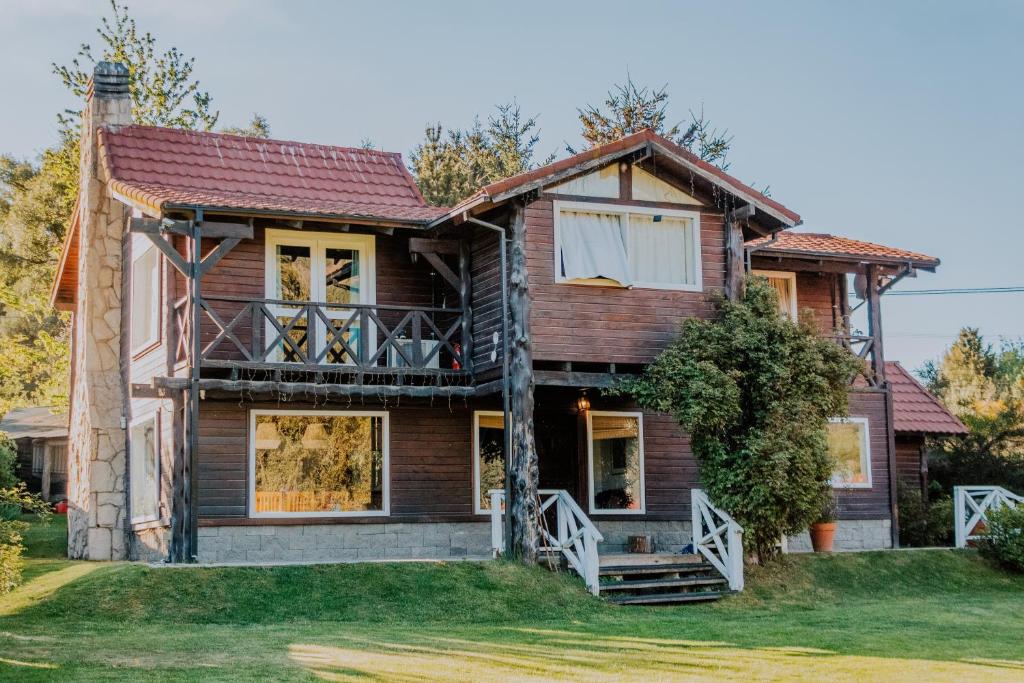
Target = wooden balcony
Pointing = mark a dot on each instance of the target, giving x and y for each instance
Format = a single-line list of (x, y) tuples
[(242, 338), (864, 347)]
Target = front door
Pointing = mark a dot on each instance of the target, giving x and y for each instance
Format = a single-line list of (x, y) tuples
[(557, 437)]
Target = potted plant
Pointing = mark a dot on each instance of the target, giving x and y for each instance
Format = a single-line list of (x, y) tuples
[(823, 531)]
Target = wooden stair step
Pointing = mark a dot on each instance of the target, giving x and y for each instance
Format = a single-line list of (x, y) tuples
[(683, 568), (668, 598), (662, 583)]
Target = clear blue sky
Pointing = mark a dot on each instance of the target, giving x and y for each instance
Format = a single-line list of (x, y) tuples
[(901, 123)]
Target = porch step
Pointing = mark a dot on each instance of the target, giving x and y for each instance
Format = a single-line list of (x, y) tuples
[(678, 568), (668, 598), (663, 583)]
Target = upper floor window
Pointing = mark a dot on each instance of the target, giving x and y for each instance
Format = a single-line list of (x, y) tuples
[(784, 285), (606, 244), (145, 309), (850, 446)]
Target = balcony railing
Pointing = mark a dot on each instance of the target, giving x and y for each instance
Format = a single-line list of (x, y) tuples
[(268, 334), (863, 347)]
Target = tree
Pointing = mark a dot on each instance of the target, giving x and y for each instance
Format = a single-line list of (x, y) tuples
[(258, 127), (985, 389), (754, 391), (37, 199), (630, 108), (451, 165)]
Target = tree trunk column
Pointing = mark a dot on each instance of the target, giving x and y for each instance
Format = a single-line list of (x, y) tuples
[(522, 505)]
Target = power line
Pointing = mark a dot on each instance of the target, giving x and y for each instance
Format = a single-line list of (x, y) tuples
[(960, 290)]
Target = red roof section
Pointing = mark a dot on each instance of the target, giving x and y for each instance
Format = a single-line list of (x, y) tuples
[(645, 136), (161, 167), (915, 409), (823, 244)]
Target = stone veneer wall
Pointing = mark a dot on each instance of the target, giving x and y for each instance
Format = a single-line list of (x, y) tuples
[(344, 542), (97, 505), (669, 537), (851, 534)]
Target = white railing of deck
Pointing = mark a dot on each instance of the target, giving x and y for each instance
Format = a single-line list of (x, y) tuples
[(718, 537), (971, 505), (574, 535)]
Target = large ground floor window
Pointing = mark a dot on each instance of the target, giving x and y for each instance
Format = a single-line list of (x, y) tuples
[(488, 457), (318, 463), (616, 462), (850, 447)]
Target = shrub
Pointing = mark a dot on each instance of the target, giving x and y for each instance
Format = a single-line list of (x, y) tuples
[(755, 391), (924, 524), (16, 498), (1004, 542), (8, 462)]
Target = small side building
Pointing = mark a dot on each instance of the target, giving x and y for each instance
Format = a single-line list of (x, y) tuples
[(41, 435), (917, 414)]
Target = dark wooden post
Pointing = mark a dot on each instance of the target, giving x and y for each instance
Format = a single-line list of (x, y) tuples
[(875, 323), (522, 504), (734, 266)]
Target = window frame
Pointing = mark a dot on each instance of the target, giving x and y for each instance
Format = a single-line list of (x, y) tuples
[(865, 453), (591, 507), (155, 419), (625, 210), (385, 510), (789, 276), (477, 414), (142, 247)]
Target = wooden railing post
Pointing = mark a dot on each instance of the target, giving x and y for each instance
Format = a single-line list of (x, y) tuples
[(497, 525), (959, 534)]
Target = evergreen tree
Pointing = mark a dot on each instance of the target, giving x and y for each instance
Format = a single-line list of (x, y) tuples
[(630, 108), (450, 165)]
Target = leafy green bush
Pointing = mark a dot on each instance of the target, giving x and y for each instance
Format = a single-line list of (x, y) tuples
[(924, 524), (1004, 542), (755, 391), (11, 531), (8, 462)]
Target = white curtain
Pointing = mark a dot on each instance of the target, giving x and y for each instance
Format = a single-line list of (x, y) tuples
[(661, 252), (782, 287), (593, 246)]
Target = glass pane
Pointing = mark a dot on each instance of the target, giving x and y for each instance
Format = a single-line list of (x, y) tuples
[(846, 444), (319, 463), (661, 252), (491, 447), (293, 272), (342, 276), (296, 339), (616, 448), (144, 306), (144, 486), (593, 246)]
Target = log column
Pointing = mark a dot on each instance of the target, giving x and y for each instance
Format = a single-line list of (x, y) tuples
[(523, 472), (734, 266)]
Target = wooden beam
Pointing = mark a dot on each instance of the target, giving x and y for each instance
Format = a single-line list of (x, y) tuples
[(812, 264), (422, 245), (217, 253), (215, 230), (154, 229), (875, 323), (442, 268), (521, 464), (313, 389), (581, 380), (465, 303)]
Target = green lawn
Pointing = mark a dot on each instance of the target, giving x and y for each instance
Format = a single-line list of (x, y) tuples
[(917, 615)]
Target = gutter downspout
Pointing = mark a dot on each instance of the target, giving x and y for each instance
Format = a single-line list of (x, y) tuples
[(506, 409)]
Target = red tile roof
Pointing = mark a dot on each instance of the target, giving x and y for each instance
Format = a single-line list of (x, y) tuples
[(915, 409), (622, 145), (811, 243), (163, 167)]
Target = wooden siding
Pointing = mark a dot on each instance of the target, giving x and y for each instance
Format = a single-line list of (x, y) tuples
[(872, 503), (910, 460), (610, 324), (485, 268), (818, 292)]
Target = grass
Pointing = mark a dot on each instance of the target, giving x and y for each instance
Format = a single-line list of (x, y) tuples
[(935, 615)]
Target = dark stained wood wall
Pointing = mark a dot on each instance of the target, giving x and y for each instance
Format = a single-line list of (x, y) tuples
[(870, 503), (610, 324), (819, 293), (909, 457), (486, 298)]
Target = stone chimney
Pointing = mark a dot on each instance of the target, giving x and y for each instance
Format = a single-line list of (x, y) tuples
[(97, 510)]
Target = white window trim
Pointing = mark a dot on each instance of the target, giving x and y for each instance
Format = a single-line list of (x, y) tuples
[(783, 275), (154, 418), (153, 338), (477, 414), (385, 474), (865, 452), (642, 510), (625, 210)]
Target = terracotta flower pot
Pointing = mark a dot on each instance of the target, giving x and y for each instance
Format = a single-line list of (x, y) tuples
[(823, 535)]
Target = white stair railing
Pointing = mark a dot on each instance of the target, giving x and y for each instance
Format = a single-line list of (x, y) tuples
[(718, 537), (574, 535), (971, 505)]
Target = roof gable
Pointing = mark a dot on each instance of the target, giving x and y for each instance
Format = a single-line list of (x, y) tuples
[(650, 188), (164, 167)]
